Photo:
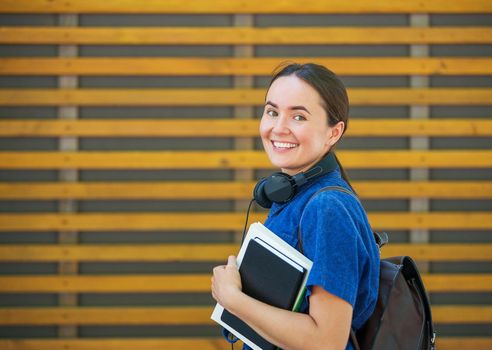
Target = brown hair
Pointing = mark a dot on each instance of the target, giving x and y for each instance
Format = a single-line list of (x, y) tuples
[(329, 87)]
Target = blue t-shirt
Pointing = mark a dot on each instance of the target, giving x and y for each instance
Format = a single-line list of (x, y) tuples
[(337, 237)]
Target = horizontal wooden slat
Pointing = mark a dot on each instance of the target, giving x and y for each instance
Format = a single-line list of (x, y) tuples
[(462, 314), (197, 283), (107, 316), (444, 343), (207, 343), (458, 282), (244, 35), (233, 128), (225, 221), (124, 221), (228, 97), (183, 315), (215, 252), (120, 252), (186, 190), (241, 66), (250, 6), (235, 159), (465, 343)]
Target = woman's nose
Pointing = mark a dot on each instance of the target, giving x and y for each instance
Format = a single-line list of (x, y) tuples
[(281, 125)]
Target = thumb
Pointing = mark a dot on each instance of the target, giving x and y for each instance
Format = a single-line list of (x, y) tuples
[(231, 261)]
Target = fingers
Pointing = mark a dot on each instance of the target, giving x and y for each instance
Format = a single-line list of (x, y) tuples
[(212, 288), (231, 261)]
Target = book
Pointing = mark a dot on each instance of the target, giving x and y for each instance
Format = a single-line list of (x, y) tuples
[(271, 271)]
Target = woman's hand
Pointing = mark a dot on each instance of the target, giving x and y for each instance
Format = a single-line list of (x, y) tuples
[(226, 283)]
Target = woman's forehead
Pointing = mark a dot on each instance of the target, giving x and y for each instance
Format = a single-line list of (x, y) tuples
[(291, 91)]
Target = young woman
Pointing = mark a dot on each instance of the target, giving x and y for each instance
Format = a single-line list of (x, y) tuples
[(305, 115)]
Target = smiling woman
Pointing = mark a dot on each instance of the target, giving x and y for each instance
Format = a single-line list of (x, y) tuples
[(305, 115)]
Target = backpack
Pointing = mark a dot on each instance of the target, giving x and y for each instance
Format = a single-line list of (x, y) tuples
[(402, 318)]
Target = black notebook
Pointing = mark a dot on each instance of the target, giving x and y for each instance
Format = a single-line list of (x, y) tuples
[(269, 276)]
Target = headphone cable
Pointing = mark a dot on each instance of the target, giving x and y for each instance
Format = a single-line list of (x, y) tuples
[(246, 222)]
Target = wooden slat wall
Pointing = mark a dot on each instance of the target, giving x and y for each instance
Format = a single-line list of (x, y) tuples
[(197, 235)]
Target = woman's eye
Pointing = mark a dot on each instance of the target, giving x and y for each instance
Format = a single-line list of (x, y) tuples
[(299, 117), (272, 113)]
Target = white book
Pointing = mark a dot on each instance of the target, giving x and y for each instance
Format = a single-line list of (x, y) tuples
[(261, 239)]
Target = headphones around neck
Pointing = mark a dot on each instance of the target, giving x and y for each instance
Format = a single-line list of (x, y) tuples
[(281, 187)]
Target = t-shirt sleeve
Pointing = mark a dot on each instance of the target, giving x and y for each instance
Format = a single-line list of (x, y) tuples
[(330, 238)]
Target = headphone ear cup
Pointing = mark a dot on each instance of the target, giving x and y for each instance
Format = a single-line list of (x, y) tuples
[(280, 188), (260, 196)]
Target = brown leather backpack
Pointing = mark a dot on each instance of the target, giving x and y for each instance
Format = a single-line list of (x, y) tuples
[(402, 318)]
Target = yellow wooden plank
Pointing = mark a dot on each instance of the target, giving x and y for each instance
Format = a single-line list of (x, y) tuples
[(235, 159), (107, 316), (232, 128), (110, 283), (195, 283), (431, 221), (444, 343), (241, 66), (244, 35), (198, 283), (409, 127), (134, 160), (207, 343), (457, 282), (225, 221), (186, 190), (183, 315), (250, 6), (465, 343), (124, 221), (120, 252), (462, 314), (423, 189), (129, 190), (216, 252), (228, 97), (440, 252), (142, 128)]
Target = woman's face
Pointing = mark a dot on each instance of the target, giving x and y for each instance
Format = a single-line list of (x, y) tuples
[(294, 126)]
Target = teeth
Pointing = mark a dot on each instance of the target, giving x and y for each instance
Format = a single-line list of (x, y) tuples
[(284, 145)]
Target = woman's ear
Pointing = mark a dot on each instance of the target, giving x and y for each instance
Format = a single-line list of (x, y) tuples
[(335, 132)]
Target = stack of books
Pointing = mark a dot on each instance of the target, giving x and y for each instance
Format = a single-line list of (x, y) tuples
[(272, 272)]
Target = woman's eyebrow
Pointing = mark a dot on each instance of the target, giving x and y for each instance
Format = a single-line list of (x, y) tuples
[(300, 107), (292, 107)]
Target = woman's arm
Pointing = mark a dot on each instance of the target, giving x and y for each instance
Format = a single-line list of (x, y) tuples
[(327, 325)]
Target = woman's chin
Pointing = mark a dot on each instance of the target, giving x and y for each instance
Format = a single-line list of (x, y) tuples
[(280, 162)]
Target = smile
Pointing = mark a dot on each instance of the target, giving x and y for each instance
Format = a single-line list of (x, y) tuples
[(277, 144)]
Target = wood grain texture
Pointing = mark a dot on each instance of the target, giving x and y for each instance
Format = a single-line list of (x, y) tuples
[(123, 66), (244, 6), (244, 36)]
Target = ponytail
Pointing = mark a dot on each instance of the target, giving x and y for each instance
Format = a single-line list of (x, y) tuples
[(344, 174)]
